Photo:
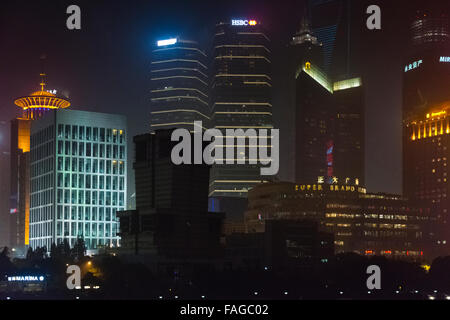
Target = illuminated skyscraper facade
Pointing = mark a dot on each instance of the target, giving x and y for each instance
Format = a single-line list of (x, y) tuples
[(240, 96), (78, 178), (179, 85), (33, 107), (4, 187), (426, 101)]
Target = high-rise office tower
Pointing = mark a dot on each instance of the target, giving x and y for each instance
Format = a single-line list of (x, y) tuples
[(179, 85), (426, 144), (78, 178), (34, 106), (329, 123), (303, 48), (426, 68), (240, 96), (314, 105), (4, 186), (348, 131)]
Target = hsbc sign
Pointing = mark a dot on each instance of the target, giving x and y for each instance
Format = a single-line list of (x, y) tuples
[(241, 22)]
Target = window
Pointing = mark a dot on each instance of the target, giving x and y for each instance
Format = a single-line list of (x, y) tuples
[(74, 132), (87, 213), (81, 133), (88, 133), (95, 150), (60, 131), (95, 134), (88, 150), (102, 134), (74, 148), (60, 147), (81, 149), (67, 132)]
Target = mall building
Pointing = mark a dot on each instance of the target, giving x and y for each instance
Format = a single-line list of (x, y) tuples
[(364, 223)]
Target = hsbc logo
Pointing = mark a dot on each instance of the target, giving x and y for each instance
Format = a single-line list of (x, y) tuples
[(240, 22)]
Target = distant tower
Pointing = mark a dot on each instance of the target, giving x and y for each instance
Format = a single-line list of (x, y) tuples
[(426, 131), (305, 45), (33, 107)]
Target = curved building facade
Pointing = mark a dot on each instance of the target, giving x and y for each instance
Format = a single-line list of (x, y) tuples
[(179, 85)]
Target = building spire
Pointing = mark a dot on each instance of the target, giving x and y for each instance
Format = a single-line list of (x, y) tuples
[(42, 84), (304, 34), (42, 74)]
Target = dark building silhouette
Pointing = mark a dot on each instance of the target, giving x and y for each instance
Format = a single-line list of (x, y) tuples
[(284, 245), (171, 220)]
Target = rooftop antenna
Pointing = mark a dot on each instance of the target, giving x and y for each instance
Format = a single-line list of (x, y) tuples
[(42, 74)]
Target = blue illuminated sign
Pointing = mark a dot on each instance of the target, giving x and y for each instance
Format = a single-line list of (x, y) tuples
[(444, 59), (413, 65), (166, 42), (25, 278)]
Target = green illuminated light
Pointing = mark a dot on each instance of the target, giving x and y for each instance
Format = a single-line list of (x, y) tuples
[(347, 84)]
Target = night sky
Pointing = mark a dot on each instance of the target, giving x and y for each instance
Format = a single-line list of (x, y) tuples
[(105, 65)]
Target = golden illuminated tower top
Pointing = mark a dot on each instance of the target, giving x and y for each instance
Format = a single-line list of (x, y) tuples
[(38, 102)]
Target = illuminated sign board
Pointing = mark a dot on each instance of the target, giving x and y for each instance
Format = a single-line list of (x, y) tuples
[(166, 42), (444, 59), (413, 65), (243, 22), (330, 187), (25, 278)]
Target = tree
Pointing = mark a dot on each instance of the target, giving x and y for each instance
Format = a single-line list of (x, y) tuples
[(5, 263), (79, 249)]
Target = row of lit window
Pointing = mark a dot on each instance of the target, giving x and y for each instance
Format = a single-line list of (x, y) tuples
[(90, 150), (82, 165), (88, 181), (85, 197), (90, 134)]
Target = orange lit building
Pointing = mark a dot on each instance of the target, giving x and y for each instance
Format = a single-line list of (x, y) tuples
[(426, 149), (33, 107), (426, 76)]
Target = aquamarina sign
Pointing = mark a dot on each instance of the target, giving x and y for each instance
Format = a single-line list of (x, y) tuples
[(25, 278)]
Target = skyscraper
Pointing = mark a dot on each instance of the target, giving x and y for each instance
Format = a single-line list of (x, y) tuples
[(4, 186), (78, 178), (426, 100), (329, 128), (179, 85), (34, 106), (240, 96)]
